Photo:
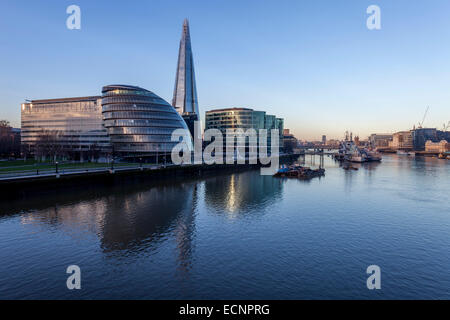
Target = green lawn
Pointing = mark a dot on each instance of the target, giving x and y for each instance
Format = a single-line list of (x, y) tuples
[(22, 166), (13, 163)]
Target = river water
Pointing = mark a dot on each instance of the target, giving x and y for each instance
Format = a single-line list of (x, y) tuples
[(236, 236)]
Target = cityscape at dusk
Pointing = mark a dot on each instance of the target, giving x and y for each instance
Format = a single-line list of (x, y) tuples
[(233, 158), (313, 62)]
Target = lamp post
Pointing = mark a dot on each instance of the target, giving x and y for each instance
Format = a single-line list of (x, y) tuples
[(56, 164)]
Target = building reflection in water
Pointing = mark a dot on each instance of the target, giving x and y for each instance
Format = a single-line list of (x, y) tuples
[(127, 220), (241, 193), (135, 220)]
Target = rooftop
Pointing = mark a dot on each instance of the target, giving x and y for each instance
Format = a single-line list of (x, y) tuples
[(62, 100)]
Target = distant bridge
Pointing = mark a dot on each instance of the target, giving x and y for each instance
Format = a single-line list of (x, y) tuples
[(319, 147)]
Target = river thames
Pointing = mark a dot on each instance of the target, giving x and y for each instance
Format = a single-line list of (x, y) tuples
[(236, 236)]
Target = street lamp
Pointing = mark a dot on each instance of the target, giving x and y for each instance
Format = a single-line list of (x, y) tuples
[(56, 163)]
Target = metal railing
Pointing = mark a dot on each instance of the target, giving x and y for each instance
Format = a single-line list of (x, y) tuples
[(57, 170)]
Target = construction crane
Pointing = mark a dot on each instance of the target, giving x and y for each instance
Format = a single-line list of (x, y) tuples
[(421, 123), (446, 126)]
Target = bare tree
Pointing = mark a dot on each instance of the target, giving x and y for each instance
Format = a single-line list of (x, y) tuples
[(9, 140), (49, 146)]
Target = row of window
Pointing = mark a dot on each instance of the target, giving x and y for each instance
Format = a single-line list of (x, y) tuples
[(62, 107), (141, 138), (144, 147), (137, 107), (140, 115), (143, 123), (128, 92), (133, 99), (140, 130)]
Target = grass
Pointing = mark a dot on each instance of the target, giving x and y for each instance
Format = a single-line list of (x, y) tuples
[(32, 166), (14, 163)]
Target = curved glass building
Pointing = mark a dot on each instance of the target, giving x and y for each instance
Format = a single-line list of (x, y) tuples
[(139, 122)]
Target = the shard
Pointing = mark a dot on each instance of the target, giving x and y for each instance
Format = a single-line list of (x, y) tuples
[(185, 93)]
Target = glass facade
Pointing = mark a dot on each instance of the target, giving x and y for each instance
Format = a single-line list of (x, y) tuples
[(235, 118), (185, 93), (64, 128), (139, 122), (421, 135), (244, 118)]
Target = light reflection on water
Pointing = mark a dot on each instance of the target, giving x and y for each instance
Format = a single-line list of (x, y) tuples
[(237, 236)]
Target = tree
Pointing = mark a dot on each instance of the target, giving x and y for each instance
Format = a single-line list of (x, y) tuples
[(48, 145), (9, 146)]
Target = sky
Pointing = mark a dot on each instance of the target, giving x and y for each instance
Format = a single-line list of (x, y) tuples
[(313, 63)]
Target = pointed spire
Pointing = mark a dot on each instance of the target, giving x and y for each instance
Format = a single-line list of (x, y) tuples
[(185, 92)]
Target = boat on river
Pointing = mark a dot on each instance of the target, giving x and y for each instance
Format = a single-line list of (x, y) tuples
[(349, 151), (297, 171), (406, 153)]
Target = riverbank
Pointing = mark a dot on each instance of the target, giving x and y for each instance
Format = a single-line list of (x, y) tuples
[(117, 173)]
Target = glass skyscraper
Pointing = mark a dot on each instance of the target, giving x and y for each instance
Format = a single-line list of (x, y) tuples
[(185, 99)]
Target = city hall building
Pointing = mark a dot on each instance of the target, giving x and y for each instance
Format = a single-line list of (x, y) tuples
[(140, 123), (125, 122)]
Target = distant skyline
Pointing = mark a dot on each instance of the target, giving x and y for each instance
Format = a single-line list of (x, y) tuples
[(313, 63)]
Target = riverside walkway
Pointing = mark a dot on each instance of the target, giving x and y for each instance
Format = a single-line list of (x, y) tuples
[(25, 174), (46, 173)]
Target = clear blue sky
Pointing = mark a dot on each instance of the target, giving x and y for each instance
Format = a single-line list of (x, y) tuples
[(314, 63)]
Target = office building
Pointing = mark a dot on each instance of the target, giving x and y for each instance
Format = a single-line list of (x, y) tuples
[(422, 135), (290, 143), (380, 140), (244, 118), (69, 128), (402, 140)]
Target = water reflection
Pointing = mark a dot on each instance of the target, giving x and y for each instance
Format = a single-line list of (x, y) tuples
[(127, 219), (242, 193), (238, 235), (135, 217), (135, 221)]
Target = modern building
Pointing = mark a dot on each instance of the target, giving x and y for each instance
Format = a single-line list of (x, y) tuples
[(290, 143), (324, 139), (440, 147), (244, 118), (185, 99), (279, 125), (380, 140), (69, 128), (422, 135), (140, 123), (402, 140)]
